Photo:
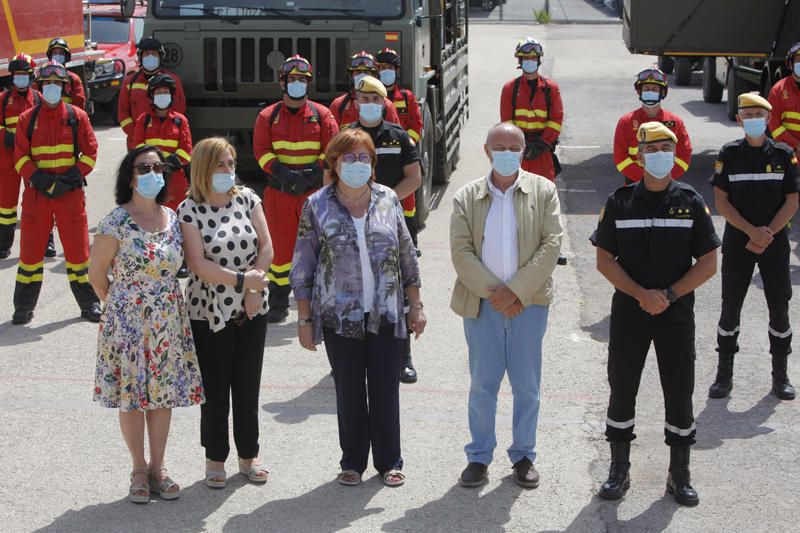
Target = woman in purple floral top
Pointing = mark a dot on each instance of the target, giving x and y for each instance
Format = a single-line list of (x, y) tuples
[(353, 262)]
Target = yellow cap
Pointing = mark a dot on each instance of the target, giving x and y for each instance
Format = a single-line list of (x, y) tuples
[(753, 100), (651, 132), (368, 84)]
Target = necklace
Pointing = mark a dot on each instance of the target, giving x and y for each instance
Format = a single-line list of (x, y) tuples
[(351, 200)]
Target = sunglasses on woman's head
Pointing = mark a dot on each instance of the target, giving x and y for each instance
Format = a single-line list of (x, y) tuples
[(363, 157), (145, 168)]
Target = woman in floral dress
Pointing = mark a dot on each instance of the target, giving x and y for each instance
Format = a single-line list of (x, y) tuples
[(146, 360)]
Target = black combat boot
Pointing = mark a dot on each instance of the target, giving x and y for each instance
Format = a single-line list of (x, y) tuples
[(50, 249), (678, 479), (278, 301), (619, 478), (781, 387), (723, 383)]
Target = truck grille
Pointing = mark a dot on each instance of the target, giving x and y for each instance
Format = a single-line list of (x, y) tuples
[(230, 61)]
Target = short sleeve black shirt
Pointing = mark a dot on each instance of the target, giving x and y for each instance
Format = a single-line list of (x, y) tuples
[(395, 150), (654, 238), (757, 180)]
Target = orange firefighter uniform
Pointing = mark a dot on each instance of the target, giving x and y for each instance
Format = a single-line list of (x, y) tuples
[(133, 101), (626, 144)]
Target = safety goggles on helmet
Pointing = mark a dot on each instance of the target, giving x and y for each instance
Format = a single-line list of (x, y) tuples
[(364, 62), (791, 55), (529, 48), (296, 66), (52, 72), (651, 75), (387, 56)]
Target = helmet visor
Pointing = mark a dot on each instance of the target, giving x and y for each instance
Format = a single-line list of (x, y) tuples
[(53, 72), (652, 76), (529, 49), (296, 66), (362, 63)]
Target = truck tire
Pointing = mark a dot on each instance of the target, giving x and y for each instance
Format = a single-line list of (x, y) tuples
[(712, 88), (683, 71), (113, 108), (487, 5), (666, 64), (736, 86), (425, 191)]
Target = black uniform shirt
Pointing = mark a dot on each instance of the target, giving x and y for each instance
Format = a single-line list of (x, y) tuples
[(394, 148), (757, 180), (654, 237)]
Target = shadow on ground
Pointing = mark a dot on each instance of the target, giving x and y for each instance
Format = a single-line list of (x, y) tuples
[(716, 423), (318, 400)]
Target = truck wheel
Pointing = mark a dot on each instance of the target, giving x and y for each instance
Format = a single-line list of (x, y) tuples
[(712, 88), (666, 64), (683, 71), (736, 86), (425, 191), (487, 5)]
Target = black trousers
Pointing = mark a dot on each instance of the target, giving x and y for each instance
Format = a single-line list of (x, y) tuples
[(738, 265), (278, 297), (230, 364), (627, 351), (367, 398)]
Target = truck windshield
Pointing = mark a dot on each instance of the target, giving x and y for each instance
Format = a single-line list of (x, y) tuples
[(306, 9), (109, 30)]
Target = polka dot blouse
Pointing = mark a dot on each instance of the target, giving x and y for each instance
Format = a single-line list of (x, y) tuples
[(229, 240)]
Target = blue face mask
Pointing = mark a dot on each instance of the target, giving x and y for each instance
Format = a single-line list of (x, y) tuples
[(52, 93), (58, 58), (530, 66), (659, 164), (506, 162), (356, 175), (358, 77), (650, 98), (754, 127), (150, 62), (370, 112), (388, 77), (797, 69), (297, 90), (223, 181), (22, 81), (150, 184)]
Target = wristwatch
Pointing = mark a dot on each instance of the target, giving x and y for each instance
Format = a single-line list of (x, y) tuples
[(239, 282), (303, 322), (671, 296)]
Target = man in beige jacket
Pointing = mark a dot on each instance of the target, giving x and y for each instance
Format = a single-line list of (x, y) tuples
[(505, 239)]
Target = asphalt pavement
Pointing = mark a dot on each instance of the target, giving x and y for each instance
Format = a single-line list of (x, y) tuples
[(561, 11), (65, 467)]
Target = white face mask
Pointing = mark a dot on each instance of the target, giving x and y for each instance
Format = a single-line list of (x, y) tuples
[(22, 81), (150, 62), (162, 101), (52, 93)]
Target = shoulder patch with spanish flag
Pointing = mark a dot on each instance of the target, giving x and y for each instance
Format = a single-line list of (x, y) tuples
[(718, 167)]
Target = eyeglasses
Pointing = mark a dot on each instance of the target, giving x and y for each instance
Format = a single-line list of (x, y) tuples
[(530, 49), (361, 61), (652, 75), (363, 157), (145, 168), (53, 70)]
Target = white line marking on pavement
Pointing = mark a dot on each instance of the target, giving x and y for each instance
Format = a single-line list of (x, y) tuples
[(578, 190), (580, 147)]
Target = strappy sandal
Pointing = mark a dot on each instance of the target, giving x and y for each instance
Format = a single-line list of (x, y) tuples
[(393, 478), (139, 492), (164, 488), (255, 473), (215, 479), (349, 478)]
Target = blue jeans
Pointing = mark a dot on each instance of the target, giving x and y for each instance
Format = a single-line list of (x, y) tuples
[(498, 345)]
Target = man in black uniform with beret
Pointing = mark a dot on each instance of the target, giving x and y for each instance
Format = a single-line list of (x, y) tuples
[(398, 165), (646, 238), (756, 189)]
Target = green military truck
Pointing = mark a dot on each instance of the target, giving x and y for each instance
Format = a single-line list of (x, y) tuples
[(227, 53), (740, 45)]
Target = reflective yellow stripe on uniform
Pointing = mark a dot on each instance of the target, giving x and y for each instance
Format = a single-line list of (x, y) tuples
[(22, 160), (66, 99), (551, 124), (86, 160), (29, 273), (413, 134), (399, 104), (142, 86), (279, 274), (180, 152), (681, 163), (790, 114), (8, 216), (625, 163), (125, 122), (791, 127), (78, 273), (11, 120), (297, 159), (531, 113), (633, 151), (530, 125), (778, 131), (50, 150), (302, 145), (55, 163), (409, 213), (162, 142), (266, 158)]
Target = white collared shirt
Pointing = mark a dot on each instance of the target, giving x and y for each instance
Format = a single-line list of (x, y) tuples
[(500, 251)]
